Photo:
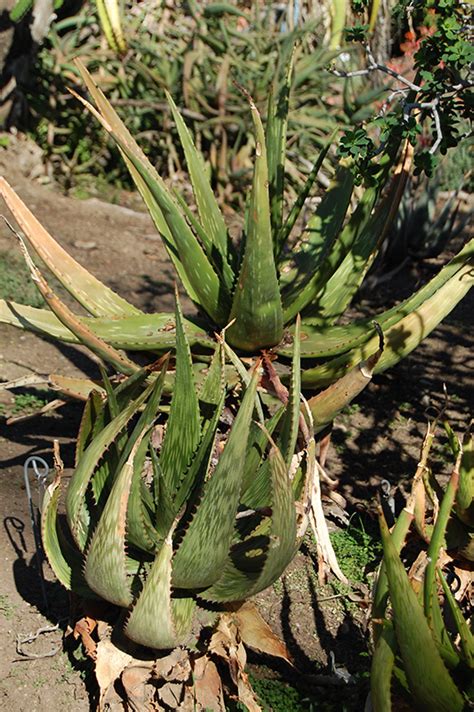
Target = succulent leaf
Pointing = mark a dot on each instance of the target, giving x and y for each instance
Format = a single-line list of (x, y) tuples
[(183, 430), (213, 226), (92, 294), (256, 305), (156, 620), (105, 569), (430, 683), (203, 550)]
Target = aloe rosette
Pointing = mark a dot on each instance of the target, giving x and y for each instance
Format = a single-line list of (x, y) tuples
[(257, 287), (170, 506)]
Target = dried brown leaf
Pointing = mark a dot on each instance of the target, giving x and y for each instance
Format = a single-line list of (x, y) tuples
[(110, 663), (257, 634), (208, 686)]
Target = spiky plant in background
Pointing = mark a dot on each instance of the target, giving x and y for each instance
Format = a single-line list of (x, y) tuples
[(257, 287), (424, 647)]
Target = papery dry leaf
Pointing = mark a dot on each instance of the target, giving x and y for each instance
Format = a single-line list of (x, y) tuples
[(140, 693), (257, 634), (271, 380), (175, 667), (466, 586), (226, 643), (416, 573), (208, 686), (171, 694), (110, 663), (83, 630)]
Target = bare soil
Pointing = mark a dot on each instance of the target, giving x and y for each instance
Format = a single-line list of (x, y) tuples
[(378, 438)]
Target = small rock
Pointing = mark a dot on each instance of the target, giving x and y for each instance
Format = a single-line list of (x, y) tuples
[(85, 244)]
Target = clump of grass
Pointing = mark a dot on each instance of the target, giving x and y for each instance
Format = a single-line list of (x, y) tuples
[(357, 550), (15, 281), (23, 404)]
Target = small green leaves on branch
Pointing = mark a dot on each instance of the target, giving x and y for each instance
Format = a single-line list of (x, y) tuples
[(440, 93)]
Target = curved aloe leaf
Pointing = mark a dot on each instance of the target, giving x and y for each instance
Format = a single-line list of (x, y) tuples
[(157, 620), (79, 329), (290, 425), (318, 249), (105, 561), (142, 332), (63, 558), (465, 492), (182, 245), (437, 540), (259, 560), (430, 683), (277, 125), (325, 406), (214, 228), (342, 285), (256, 305), (94, 296), (381, 670), (416, 320), (76, 513), (465, 635), (183, 430), (199, 559)]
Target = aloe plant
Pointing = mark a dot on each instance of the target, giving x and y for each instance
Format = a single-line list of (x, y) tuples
[(254, 289), (431, 658), (205, 511)]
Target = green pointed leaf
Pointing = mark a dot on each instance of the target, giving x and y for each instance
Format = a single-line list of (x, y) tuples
[(105, 565), (212, 220), (343, 284), (212, 387), (183, 430), (465, 635), (430, 683), (65, 561), (437, 540), (182, 245), (381, 670), (256, 449), (319, 252), (145, 332), (157, 620), (90, 418), (141, 532), (257, 562), (193, 478), (298, 205), (465, 492), (77, 515), (205, 545), (256, 305), (277, 126)]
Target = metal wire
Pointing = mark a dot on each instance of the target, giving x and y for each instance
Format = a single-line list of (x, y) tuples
[(41, 471)]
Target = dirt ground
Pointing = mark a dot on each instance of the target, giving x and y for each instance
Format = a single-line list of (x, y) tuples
[(378, 438)]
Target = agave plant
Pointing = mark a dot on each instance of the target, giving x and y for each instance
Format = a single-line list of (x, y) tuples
[(255, 288), (425, 643), (169, 505)]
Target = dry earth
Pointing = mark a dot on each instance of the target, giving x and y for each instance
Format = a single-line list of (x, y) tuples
[(379, 438)]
